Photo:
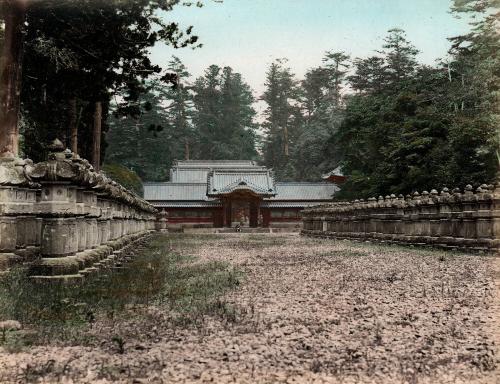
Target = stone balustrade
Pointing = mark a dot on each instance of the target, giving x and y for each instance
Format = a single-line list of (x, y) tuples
[(450, 219), (63, 218)]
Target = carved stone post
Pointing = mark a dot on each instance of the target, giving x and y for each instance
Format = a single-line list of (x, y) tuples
[(433, 210), (469, 207), (399, 204), (162, 221), (59, 228), (91, 219), (81, 224), (424, 218), (483, 217), (457, 230), (495, 214), (82, 211), (18, 225), (445, 215)]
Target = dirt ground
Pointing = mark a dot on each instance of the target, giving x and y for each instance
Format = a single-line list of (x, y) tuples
[(306, 311)]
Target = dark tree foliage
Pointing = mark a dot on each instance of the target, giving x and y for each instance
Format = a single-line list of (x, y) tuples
[(394, 125), (80, 53), (124, 176), (401, 126), (143, 142), (301, 117), (162, 131), (223, 116), (410, 127), (283, 117), (212, 119)]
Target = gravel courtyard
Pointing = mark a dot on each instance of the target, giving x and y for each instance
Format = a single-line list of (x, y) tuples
[(303, 311)]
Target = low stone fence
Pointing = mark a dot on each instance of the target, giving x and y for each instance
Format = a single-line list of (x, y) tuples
[(64, 218), (468, 219)]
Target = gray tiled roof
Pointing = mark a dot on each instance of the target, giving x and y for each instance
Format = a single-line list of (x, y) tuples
[(196, 171), (189, 175), (285, 191), (187, 204), (175, 191), (227, 181), (305, 191), (288, 204), (214, 163)]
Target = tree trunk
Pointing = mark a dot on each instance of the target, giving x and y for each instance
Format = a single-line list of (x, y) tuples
[(96, 137), (186, 149), (72, 125), (14, 13), (285, 140)]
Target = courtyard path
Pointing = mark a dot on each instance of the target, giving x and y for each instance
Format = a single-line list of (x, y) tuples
[(494, 318), (305, 311)]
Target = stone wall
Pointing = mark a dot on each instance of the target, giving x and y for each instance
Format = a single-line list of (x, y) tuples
[(65, 219), (451, 219)]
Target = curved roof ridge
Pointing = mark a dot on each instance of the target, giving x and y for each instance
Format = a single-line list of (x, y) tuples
[(174, 183), (305, 182)]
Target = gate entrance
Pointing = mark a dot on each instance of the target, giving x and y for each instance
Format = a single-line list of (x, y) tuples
[(241, 208)]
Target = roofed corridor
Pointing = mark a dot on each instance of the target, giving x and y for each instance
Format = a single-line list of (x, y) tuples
[(300, 311), (227, 193)]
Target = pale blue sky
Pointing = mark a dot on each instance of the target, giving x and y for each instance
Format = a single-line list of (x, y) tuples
[(249, 34)]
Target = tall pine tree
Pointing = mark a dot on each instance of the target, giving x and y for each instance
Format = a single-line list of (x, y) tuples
[(224, 115), (282, 118)]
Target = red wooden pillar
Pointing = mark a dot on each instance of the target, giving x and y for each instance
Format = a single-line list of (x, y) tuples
[(266, 217), (218, 217), (253, 214), (227, 212)]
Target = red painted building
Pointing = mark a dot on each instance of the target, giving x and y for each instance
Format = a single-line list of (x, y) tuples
[(225, 193), (336, 176)]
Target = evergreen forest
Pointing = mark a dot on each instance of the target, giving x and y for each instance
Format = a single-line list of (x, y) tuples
[(390, 123)]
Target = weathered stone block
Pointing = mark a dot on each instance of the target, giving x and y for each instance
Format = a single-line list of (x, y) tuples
[(54, 266), (59, 237), (8, 233), (28, 231), (58, 199)]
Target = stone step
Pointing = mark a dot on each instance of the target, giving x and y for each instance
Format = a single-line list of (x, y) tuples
[(8, 260), (62, 279)]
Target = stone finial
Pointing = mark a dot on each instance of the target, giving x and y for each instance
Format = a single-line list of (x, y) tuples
[(401, 197), (456, 191), (425, 193), (56, 150), (56, 146), (416, 195), (13, 172), (63, 165), (468, 189), (445, 191), (434, 192)]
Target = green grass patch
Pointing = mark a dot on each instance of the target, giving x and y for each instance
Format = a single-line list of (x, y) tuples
[(158, 277)]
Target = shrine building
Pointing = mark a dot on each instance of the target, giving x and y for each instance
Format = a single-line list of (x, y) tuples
[(226, 193)]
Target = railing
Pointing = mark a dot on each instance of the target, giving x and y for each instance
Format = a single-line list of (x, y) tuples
[(468, 219), (65, 219)]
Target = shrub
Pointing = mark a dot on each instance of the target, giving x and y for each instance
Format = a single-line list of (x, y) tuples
[(129, 179)]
